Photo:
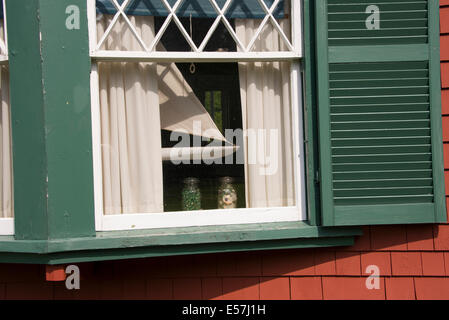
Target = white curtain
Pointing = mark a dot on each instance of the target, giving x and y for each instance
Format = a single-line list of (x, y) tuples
[(265, 93), (6, 185), (180, 107), (137, 100), (6, 193), (130, 125)]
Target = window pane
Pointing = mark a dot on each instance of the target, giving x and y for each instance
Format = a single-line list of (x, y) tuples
[(190, 136), (163, 124), (196, 26)]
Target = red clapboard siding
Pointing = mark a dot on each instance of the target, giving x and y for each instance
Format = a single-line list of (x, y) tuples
[(444, 47), (447, 209), (445, 75), (406, 264), (441, 237), (187, 289), (363, 242), (446, 178), (445, 128), (306, 288), (445, 101), (325, 262), (420, 237), (400, 288), (275, 289), (351, 288), (55, 273), (160, 289), (211, 288), (348, 264), (29, 291), (446, 155), (241, 288), (239, 264), (432, 288), (389, 238), (446, 262), (433, 263), (380, 259), (279, 263), (444, 18), (135, 289)]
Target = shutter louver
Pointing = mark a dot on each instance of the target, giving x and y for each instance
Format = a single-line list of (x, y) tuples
[(379, 113), (402, 22)]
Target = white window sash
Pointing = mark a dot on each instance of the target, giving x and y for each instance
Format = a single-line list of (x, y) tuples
[(168, 56), (147, 54), (203, 217), (6, 224), (199, 218)]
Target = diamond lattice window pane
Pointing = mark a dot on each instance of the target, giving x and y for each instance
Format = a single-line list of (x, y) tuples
[(172, 39), (274, 30), (204, 25), (117, 30), (221, 40), (197, 19), (269, 38)]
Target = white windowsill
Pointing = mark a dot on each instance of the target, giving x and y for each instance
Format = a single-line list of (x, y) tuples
[(6, 226), (199, 218)]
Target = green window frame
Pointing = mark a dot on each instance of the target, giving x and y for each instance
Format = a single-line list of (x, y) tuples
[(54, 202)]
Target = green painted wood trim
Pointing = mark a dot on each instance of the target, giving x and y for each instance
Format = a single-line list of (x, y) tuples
[(382, 214), (27, 117), (435, 103), (177, 236), (413, 52), (52, 141), (66, 76), (310, 116), (147, 252), (324, 119)]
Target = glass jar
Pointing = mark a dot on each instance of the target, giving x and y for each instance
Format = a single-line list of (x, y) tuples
[(191, 195), (227, 195)]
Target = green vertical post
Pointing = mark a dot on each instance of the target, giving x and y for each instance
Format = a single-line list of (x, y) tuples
[(51, 119), (310, 116)]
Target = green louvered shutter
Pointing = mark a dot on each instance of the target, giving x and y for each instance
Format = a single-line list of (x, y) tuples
[(379, 113)]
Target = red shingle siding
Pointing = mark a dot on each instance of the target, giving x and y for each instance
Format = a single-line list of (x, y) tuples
[(400, 288), (241, 288), (306, 288), (432, 288), (351, 288), (406, 264), (381, 259), (433, 264), (275, 288), (211, 288), (413, 262), (348, 264)]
